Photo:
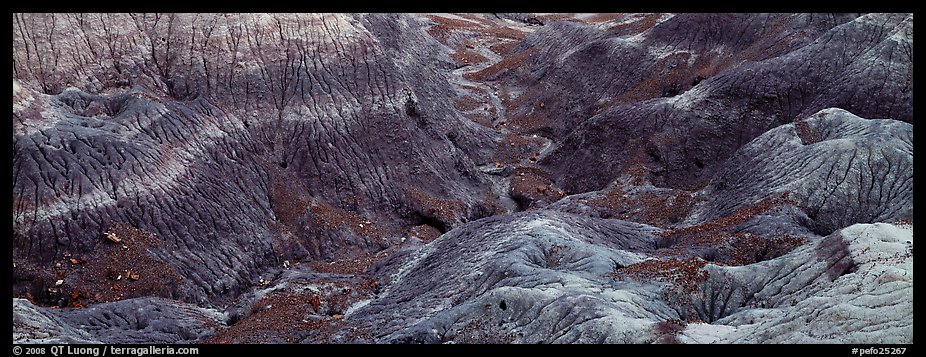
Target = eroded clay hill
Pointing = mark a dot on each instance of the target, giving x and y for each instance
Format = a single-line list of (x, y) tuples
[(640, 178)]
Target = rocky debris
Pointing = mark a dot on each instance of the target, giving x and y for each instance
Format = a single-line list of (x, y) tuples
[(656, 206), (350, 266), (300, 304), (530, 188), (112, 237), (111, 272)]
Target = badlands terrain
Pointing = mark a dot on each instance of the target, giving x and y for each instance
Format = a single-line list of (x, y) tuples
[(462, 178)]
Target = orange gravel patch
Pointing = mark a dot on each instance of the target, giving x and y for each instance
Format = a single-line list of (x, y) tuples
[(464, 56), (503, 48), (507, 63)]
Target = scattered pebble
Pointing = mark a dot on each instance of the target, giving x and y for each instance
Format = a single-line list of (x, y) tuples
[(112, 237)]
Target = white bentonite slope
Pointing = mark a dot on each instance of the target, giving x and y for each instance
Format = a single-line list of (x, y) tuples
[(872, 304)]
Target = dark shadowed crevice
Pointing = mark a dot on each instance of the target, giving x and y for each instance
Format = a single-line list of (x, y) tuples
[(419, 219), (522, 202)]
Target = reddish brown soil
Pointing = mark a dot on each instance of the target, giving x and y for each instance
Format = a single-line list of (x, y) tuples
[(503, 48), (293, 314), (443, 27), (683, 276), (354, 266), (507, 63), (468, 102), (481, 119), (529, 184), (740, 216), (112, 271), (806, 133), (656, 209), (464, 56), (325, 216), (599, 18), (444, 210), (424, 232), (290, 317), (741, 248), (518, 149)]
